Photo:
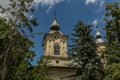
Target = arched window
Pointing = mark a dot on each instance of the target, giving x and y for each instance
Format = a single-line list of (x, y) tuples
[(56, 49)]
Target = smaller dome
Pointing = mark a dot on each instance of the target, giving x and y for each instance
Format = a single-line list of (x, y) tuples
[(98, 34), (55, 25)]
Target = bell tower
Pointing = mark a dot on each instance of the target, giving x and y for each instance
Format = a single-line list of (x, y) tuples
[(55, 49), (55, 46), (100, 46), (99, 40)]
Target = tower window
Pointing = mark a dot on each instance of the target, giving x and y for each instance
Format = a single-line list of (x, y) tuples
[(56, 49)]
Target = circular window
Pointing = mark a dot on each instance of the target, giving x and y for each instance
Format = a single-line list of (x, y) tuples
[(57, 61)]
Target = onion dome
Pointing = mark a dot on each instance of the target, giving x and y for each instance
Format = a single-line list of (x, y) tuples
[(98, 34), (55, 26), (98, 37)]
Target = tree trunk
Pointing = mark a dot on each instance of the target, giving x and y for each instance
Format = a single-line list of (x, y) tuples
[(4, 63)]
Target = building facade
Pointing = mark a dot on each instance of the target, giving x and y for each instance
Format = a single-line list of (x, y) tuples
[(55, 48)]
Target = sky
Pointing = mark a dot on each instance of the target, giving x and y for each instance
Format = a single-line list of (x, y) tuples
[(68, 13)]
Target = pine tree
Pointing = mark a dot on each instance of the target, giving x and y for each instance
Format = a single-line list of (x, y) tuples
[(83, 54), (112, 51)]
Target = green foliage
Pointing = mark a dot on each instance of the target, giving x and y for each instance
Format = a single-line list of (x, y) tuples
[(112, 50), (40, 72), (15, 53), (83, 53), (113, 54), (112, 22), (27, 72), (22, 72), (14, 48), (113, 72)]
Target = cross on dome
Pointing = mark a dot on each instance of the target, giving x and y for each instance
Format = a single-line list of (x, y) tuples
[(55, 26)]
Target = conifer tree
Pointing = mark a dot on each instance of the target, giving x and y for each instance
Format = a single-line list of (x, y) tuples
[(112, 51), (83, 54)]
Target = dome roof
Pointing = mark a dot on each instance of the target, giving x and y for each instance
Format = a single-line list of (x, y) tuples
[(98, 34), (52, 32), (98, 37), (55, 25)]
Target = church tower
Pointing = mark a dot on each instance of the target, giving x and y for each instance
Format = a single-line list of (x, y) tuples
[(99, 40), (100, 47), (55, 48)]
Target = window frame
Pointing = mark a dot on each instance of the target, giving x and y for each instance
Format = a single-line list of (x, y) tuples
[(56, 49)]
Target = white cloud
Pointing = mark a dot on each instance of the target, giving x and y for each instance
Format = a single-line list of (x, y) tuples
[(97, 2), (3, 15), (36, 3), (90, 1), (4, 3), (95, 22), (47, 3), (101, 3)]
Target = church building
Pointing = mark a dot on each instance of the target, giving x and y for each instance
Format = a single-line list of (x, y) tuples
[(55, 49)]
